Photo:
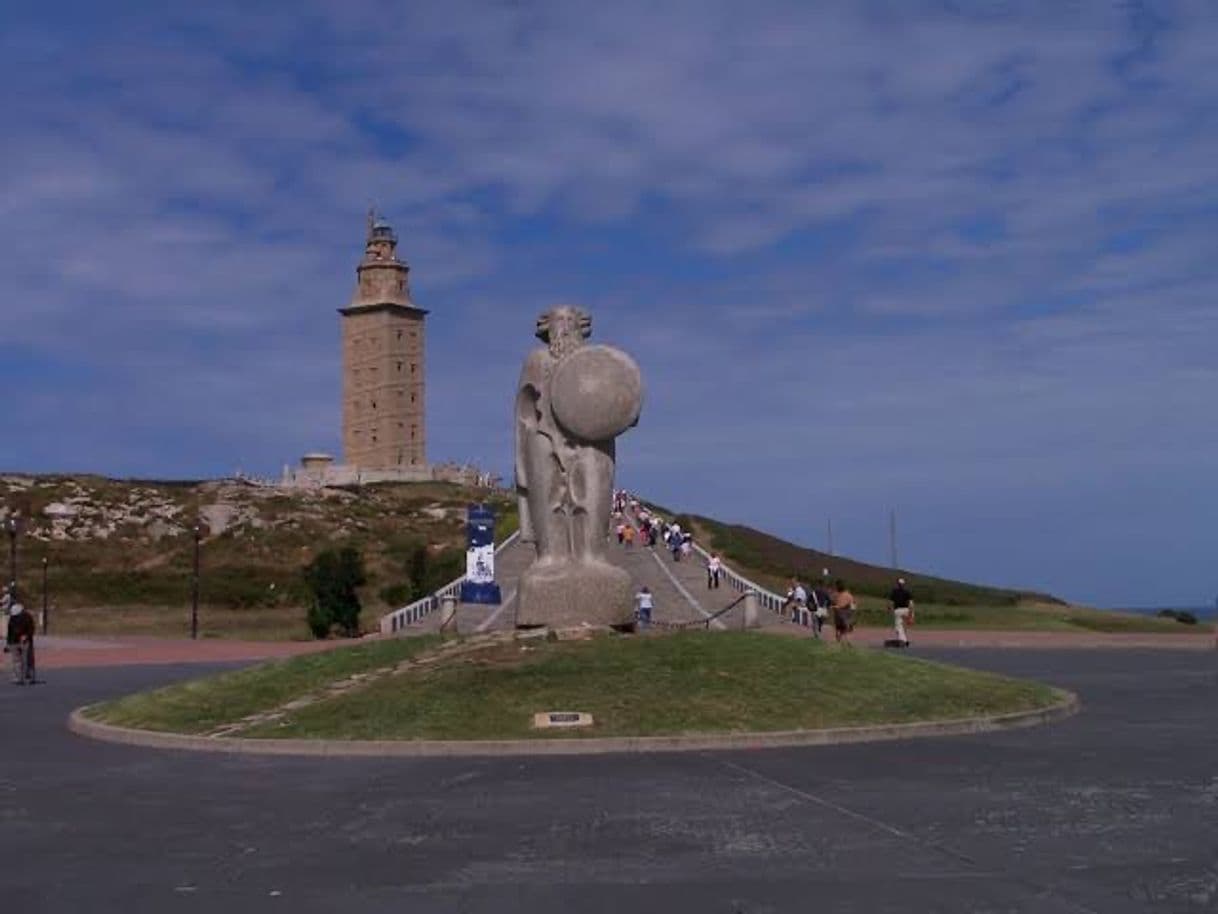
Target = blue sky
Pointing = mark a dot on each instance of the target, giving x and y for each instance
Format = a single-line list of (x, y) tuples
[(956, 259)]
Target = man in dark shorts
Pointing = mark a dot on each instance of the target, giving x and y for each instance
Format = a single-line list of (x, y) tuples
[(843, 612)]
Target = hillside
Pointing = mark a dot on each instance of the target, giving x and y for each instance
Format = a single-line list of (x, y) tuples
[(775, 561), (127, 547), (119, 555)]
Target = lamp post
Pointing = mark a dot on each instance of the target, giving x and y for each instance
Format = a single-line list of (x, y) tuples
[(46, 614), (12, 527), (194, 589)]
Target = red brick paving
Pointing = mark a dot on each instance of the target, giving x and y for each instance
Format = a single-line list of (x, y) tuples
[(62, 652), (941, 637)]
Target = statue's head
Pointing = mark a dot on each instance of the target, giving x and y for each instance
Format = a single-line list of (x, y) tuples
[(564, 327)]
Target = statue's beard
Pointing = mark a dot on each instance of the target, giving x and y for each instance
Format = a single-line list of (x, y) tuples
[(565, 343)]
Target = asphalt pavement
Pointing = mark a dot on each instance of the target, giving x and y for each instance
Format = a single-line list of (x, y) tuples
[(1113, 810)]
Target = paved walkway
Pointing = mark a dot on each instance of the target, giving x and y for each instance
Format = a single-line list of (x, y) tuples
[(1039, 640), (1111, 811), (59, 652)]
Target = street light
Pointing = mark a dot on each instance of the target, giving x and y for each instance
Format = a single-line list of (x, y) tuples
[(46, 615), (194, 589), (13, 527)]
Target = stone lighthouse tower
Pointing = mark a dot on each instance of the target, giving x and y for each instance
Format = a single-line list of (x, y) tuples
[(382, 328)]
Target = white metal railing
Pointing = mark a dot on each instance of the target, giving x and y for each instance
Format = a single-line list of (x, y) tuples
[(413, 613), (739, 583), (802, 615), (766, 598)]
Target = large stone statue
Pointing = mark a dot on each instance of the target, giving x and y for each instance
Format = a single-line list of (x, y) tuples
[(573, 400)]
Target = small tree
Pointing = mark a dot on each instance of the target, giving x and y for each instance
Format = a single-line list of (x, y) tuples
[(333, 578)]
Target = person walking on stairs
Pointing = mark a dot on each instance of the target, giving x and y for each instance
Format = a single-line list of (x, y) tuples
[(644, 603), (714, 568)]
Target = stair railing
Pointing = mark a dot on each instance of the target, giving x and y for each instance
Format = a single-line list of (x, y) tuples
[(413, 613)]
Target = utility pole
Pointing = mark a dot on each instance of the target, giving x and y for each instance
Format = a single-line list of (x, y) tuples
[(46, 617), (13, 527), (194, 589), (892, 536)]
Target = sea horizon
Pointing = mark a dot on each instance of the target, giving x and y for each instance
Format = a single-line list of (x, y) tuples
[(1206, 613)]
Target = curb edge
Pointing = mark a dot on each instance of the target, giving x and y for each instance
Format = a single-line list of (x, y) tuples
[(1067, 705)]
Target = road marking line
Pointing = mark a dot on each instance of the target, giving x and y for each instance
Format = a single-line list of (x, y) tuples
[(812, 798)]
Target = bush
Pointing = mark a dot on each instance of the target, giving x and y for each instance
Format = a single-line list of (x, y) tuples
[(424, 571), (333, 578), (397, 595), (1180, 615)]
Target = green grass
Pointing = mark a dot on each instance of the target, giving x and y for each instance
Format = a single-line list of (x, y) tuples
[(687, 683), (203, 704), (1025, 617)]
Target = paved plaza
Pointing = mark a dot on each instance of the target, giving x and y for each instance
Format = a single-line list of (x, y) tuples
[(1113, 810)]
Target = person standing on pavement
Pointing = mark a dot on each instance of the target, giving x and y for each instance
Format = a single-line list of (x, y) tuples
[(714, 568), (843, 612), (900, 601), (20, 644), (820, 609)]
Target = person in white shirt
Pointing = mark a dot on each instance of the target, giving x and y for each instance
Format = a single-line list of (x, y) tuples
[(644, 603), (797, 599), (713, 569)]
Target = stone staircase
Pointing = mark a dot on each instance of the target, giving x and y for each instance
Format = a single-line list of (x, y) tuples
[(679, 590)]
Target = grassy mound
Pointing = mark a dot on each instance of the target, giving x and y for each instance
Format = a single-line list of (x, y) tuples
[(200, 705), (686, 683)]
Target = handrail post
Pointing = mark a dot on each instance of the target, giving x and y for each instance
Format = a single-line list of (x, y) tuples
[(750, 609), (448, 612)]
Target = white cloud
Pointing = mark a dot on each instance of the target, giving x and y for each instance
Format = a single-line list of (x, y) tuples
[(985, 233)]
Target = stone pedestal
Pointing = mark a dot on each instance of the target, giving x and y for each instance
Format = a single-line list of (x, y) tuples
[(750, 610), (448, 613), (568, 593)]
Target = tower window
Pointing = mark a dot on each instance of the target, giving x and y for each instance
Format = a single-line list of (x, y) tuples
[(399, 367), (412, 367), (412, 431), (374, 404), (412, 398), (399, 334)]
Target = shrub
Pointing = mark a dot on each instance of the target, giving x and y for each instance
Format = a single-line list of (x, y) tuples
[(1180, 615), (397, 595), (333, 578), (424, 571)]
